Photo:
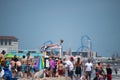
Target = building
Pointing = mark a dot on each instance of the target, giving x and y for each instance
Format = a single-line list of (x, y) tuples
[(94, 54), (9, 44)]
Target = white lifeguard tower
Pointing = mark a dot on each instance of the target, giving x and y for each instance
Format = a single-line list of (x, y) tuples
[(52, 46)]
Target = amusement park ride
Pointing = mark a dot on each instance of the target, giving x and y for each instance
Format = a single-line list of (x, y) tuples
[(86, 45)]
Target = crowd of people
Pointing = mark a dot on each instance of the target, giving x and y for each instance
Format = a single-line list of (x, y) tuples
[(11, 68), (75, 69)]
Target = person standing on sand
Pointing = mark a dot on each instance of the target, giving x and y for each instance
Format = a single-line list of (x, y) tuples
[(23, 61), (52, 66), (116, 71), (28, 65), (61, 70), (69, 66), (109, 72), (88, 69), (78, 65), (2, 56)]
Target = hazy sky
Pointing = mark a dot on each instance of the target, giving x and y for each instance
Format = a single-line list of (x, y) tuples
[(34, 22)]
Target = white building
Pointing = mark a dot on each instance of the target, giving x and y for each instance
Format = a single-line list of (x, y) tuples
[(9, 44)]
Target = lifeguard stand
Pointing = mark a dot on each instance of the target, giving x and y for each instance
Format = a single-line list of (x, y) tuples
[(49, 46)]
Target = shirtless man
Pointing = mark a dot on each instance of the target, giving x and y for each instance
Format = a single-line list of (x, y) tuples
[(29, 67), (98, 67), (29, 59), (2, 56), (18, 64), (24, 62)]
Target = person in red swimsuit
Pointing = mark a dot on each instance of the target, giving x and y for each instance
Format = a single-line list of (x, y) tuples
[(61, 70)]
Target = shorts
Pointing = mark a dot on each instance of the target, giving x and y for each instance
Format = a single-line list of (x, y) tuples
[(13, 68), (70, 73), (88, 73)]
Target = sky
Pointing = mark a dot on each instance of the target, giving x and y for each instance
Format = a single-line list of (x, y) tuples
[(34, 22)]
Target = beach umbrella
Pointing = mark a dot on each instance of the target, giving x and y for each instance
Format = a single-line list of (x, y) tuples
[(9, 55)]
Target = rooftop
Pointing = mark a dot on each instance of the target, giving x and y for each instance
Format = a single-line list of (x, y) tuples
[(8, 38)]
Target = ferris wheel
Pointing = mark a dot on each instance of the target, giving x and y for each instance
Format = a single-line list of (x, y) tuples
[(86, 44)]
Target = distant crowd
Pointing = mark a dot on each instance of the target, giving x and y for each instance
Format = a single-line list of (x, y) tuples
[(14, 68)]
